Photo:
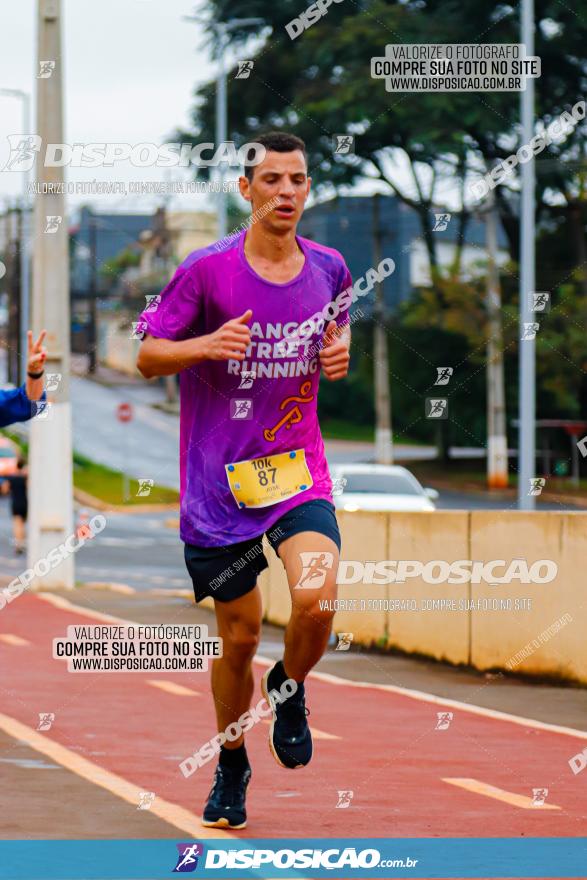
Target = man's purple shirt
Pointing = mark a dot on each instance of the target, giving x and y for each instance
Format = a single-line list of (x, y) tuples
[(212, 286)]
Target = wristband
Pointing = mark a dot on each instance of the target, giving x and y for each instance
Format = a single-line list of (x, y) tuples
[(35, 375)]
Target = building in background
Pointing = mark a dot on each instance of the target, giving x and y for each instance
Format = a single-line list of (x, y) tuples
[(140, 271), (347, 224), (96, 239)]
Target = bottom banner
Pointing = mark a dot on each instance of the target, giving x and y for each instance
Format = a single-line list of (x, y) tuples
[(553, 857)]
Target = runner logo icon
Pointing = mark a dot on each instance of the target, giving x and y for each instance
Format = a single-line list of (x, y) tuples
[(344, 641), (444, 374), (436, 408), (23, 150), (444, 719), (344, 799), (187, 860), (539, 795), (241, 409), (146, 799), (247, 378), (46, 719), (46, 68), (314, 568), (344, 143), (244, 69)]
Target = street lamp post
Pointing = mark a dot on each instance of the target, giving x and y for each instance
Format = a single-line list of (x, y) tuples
[(25, 279), (221, 31), (527, 393)]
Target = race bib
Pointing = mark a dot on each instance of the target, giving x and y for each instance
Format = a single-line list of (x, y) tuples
[(262, 482)]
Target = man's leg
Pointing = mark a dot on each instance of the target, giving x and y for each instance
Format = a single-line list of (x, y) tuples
[(18, 532), (306, 637), (308, 630), (239, 627)]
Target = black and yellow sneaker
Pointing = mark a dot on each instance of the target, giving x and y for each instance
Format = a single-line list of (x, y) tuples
[(225, 807), (290, 739)]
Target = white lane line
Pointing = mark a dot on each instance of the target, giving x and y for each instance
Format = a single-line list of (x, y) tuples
[(499, 794), (97, 775), (12, 639), (172, 688)]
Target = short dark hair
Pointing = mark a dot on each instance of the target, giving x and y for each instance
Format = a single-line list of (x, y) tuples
[(278, 142)]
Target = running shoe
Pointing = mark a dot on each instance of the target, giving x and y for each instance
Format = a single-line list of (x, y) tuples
[(290, 739), (225, 807)]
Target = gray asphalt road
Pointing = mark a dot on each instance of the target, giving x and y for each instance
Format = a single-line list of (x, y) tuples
[(147, 447), (138, 549), (471, 501)]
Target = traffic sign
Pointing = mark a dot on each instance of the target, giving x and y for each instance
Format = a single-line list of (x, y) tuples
[(124, 412)]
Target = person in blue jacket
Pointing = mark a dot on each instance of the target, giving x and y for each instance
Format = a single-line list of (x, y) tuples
[(21, 404)]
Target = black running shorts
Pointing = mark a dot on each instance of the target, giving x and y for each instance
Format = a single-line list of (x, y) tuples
[(227, 573)]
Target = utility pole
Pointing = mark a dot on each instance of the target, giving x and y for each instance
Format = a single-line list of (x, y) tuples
[(93, 307), (527, 357), (383, 435), (13, 239), (25, 283), (497, 451), (51, 502)]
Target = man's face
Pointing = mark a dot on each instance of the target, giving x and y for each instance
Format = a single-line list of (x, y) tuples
[(282, 176)]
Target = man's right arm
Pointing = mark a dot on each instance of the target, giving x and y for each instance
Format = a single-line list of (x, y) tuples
[(165, 357)]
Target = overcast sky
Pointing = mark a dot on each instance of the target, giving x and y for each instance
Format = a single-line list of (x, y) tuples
[(130, 70)]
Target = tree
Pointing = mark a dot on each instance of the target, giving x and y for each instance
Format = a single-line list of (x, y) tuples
[(321, 85)]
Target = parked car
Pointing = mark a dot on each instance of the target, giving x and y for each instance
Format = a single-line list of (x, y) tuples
[(379, 487), (8, 457)]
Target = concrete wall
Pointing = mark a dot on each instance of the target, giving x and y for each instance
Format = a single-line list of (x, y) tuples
[(498, 636), (116, 349), (486, 636)]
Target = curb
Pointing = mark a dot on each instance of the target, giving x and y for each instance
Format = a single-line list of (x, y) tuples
[(91, 501), (114, 587)]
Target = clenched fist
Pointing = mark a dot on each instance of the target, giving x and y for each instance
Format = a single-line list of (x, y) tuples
[(230, 341), (335, 356)]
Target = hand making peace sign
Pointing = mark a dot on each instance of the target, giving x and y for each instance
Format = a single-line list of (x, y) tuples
[(36, 353), (35, 367)]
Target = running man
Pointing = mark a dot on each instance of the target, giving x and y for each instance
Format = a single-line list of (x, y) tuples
[(258, 306)]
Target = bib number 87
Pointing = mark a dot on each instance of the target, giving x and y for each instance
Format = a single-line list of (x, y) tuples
[(263, 467)]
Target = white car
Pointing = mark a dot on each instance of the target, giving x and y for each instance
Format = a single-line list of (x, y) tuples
[(379, 487)]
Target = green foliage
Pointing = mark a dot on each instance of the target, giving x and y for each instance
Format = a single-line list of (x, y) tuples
[(111, 269), (320, 84), (414, 354)]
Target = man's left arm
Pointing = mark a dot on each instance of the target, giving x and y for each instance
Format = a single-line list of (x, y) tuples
[(335, 354)]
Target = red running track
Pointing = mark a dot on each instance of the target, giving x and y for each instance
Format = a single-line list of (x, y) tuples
[(389, 752)]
